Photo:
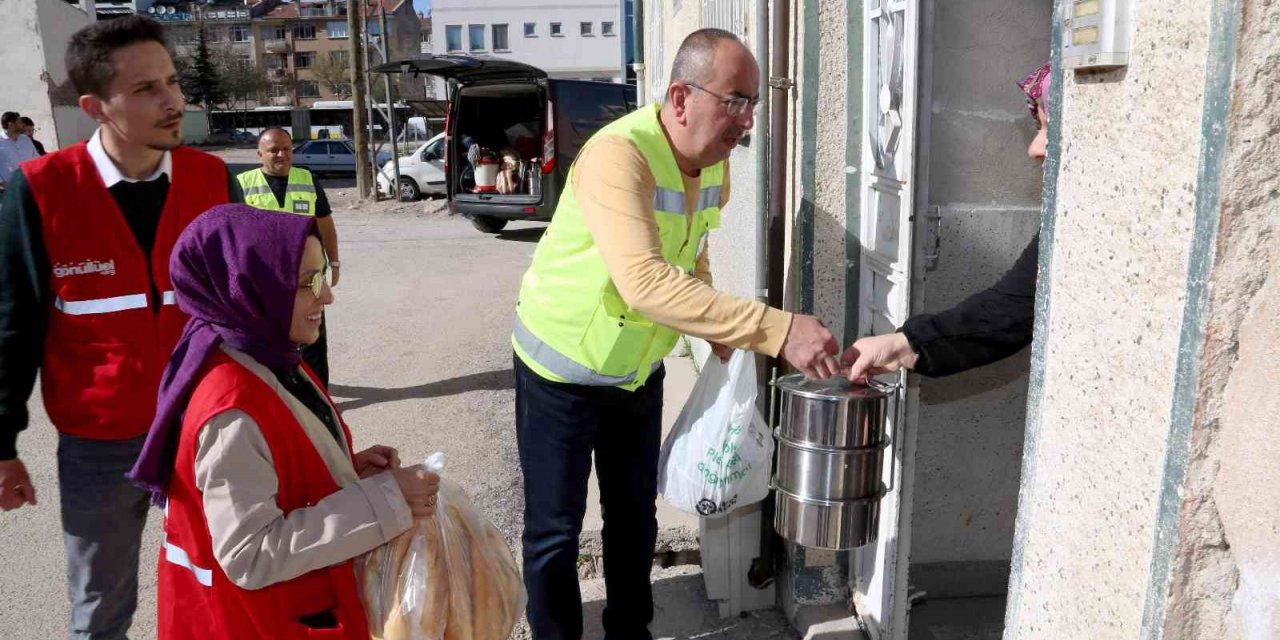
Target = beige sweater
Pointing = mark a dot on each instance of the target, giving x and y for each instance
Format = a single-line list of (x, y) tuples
[(614, 188), (253, 541)]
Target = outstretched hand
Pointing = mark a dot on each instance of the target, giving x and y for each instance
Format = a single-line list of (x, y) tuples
[(874, 355)]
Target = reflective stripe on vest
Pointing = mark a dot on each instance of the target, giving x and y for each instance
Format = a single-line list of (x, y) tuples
[(175, 555), (555, 362), (672, 201), (109, 305), (264, 189)]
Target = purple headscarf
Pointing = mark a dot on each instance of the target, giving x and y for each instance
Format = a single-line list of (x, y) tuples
[(235, 272), (1036, 86)]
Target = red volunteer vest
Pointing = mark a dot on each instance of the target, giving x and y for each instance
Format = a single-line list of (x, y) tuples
[(196, 599), (106, 345)]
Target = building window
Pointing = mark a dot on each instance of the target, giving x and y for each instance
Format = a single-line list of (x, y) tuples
[(475, 34), (304, 59), (341, 58), (336, 29), (585, 28), (453, 37), (530, 29), (279, 91), (275, 33), (304, 31), (308, 89), (273, 62), (215, 35), (555, 30), (239, 33), (606, 28), (500, 38)]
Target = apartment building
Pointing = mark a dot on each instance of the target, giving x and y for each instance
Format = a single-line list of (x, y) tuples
[(579, 40), (296, 52)]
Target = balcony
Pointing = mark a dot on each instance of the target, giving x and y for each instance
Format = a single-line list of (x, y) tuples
[(277, 75), (276, 46), (280, 101)]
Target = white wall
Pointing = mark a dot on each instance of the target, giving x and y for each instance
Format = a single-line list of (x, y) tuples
[(58, 21), (568, 56), (22, 62)]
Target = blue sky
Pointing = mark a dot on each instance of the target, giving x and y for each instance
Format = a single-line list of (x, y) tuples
[(422, 6)]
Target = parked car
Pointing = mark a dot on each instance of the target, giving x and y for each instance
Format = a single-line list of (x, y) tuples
[(420, 172), (331, 156), (507, 106)]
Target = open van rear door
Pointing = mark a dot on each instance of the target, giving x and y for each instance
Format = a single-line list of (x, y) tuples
[(464, 69)]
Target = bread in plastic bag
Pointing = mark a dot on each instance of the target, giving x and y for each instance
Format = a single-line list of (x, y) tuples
[(450, 577)]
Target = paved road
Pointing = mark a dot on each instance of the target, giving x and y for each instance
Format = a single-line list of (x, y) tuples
[(421, 361)]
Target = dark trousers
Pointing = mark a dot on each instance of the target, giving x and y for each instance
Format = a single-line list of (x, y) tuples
[(558, 427), (103, 516), (316, 355)]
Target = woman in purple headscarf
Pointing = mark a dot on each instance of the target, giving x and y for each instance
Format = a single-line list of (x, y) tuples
[(266, 502), (989, 325)]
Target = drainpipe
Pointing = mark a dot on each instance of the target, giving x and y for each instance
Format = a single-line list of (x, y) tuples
[(773, 232), (637, 34)]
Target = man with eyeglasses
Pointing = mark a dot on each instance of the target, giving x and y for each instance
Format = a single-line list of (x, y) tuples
[(620, 273)]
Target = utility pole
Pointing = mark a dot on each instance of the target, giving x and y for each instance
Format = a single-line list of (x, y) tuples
[(391, 103), (359, 125)]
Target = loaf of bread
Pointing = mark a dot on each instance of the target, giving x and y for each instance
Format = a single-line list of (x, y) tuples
[(450, 577)]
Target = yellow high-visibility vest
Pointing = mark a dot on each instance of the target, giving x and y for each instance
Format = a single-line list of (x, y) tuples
[(571, 323), (299, 195)]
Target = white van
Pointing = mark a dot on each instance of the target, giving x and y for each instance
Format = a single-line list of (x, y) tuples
[(421, 172)]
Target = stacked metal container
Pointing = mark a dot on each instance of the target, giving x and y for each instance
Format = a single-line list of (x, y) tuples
[(831, 446)]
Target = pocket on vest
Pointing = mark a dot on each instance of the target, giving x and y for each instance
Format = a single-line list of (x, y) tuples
[(617, 338)]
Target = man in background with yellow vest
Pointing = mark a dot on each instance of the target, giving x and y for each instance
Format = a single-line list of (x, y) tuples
[(620, 273), (280, 186)]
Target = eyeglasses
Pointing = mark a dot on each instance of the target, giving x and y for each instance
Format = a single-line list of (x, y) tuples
[(734, 106), (317, 281)]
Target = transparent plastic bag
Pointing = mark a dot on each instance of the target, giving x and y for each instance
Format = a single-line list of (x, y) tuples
[(450, 577)]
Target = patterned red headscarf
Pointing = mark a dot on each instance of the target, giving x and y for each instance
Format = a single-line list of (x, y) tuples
[(1036, 86)]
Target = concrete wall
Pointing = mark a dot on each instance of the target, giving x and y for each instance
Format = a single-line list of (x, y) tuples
[(1123, 179), (970, 426), (1226, 573), (570, 55), (33, 69)]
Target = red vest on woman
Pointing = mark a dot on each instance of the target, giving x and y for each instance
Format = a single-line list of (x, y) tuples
[(112, 317), (196, 599)]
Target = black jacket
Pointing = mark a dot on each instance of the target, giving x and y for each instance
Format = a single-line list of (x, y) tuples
[(988, 326)]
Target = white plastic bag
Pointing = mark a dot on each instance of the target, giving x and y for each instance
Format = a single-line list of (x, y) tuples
[(718, 454)]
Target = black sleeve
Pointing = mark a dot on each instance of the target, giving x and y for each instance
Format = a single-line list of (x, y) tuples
[(988, 326), (235, 194), (323, 210), (24, 293)]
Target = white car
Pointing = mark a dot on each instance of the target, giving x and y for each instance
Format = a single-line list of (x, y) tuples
[(420, 172)]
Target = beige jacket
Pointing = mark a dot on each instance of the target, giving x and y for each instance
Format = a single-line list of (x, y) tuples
[(253, 541)]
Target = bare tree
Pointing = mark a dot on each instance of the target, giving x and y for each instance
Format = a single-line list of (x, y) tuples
[(242, 81), (333, 72)]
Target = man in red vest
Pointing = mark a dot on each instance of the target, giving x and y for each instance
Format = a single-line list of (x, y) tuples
[(85, 299)]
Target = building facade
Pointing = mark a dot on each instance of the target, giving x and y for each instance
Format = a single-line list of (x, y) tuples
[(282, 54), (1115, 480), (578, 40)]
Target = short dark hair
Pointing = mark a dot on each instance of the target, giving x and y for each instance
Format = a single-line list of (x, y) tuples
[(270, 130), (8, 118), (27, 121), (89, 53), (697, 53)]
